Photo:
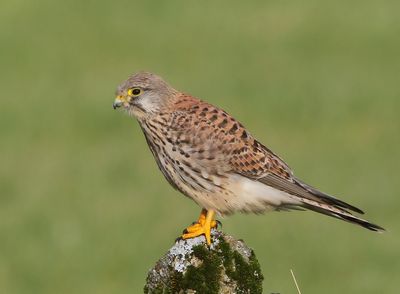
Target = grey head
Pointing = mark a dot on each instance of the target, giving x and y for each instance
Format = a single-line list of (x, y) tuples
[(143, 94)]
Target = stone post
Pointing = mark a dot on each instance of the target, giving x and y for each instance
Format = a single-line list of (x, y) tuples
[(190, 266)]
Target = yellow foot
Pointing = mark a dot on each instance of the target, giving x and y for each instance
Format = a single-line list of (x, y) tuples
[(202, 226)]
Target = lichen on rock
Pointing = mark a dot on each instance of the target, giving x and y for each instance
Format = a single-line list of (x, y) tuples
[(190, 266)]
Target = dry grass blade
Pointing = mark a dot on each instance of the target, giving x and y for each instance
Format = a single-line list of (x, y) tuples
[(295, 281)]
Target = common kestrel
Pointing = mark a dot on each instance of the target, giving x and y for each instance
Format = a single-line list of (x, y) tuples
[(211, 158)]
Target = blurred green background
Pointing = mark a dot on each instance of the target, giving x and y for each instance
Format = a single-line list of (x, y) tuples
[(83, 207)]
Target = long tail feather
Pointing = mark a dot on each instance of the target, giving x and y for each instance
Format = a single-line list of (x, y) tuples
[(339, 214), (327, 198)]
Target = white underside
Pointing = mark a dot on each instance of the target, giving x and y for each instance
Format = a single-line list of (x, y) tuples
[(250, 196), (250, 191)]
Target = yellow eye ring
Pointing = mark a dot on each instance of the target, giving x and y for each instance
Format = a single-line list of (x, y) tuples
[(134, 92)]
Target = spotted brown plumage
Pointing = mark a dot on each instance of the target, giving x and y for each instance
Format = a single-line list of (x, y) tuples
[(211, 158)]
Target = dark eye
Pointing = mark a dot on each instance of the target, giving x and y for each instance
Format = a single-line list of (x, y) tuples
[(134, 92)]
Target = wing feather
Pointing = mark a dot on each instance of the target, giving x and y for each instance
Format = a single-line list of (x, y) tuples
[(259, 163)]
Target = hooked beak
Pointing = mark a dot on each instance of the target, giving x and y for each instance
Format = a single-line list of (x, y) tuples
[(118, 101)]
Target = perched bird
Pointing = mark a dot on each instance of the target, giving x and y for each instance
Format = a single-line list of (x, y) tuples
[(211, 158)]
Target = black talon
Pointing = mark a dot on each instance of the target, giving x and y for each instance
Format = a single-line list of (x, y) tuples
[(218, 224)]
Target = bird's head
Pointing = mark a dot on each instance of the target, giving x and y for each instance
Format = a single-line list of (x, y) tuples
[(143, 94)]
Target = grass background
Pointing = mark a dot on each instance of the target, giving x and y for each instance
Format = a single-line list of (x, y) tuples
[(83, 208)]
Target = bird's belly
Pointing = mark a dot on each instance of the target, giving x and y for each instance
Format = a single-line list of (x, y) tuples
[(240, 194), (188, 181), (256, 197), (225, 195)]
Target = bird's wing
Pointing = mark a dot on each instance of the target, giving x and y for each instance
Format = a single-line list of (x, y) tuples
[(255, 161)]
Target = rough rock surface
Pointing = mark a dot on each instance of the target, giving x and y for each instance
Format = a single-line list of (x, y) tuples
[(190, 266)]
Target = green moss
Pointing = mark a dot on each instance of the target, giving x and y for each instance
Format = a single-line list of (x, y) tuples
[(247, 275), (205, 278), (227, 255), (175, 282)]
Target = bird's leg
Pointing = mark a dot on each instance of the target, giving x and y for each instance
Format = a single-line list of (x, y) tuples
[(200, 222), (202, 217), (203, 226)]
